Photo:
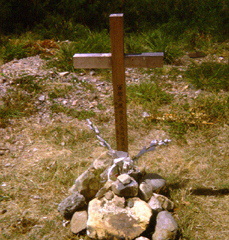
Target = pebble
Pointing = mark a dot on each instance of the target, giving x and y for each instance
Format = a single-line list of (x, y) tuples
[(42, 98), (62, 74)]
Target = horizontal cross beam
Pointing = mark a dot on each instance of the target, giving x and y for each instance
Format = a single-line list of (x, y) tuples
[(103, 60)]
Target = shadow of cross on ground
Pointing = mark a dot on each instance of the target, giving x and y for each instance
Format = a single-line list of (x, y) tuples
[(118, 61)]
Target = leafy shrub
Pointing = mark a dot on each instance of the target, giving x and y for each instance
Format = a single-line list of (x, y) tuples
[(209, 76)]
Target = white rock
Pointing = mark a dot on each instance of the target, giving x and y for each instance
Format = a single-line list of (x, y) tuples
[(124, 179), (120, 218), (142, 238), (62, 74)]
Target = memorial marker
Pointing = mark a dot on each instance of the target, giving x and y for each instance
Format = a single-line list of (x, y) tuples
[(118, 61)]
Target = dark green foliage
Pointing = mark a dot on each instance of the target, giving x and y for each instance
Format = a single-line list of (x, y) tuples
[(211, 76), (61, 16)]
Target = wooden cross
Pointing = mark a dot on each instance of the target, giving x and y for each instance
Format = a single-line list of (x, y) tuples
[(117, 60)]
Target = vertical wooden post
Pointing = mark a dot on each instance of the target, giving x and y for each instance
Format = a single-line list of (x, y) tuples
[(118, 79)]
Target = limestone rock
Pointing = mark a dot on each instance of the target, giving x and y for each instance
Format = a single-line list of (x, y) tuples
[(109, 195), (117, 218), (155, 204), (124, 179), (150, 183), (78, 221), (166, 227), (102, 191), (71, 204), (165, 203), (90, 181), (125, 186)]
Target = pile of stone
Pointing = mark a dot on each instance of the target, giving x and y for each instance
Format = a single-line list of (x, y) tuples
[(114, 199)]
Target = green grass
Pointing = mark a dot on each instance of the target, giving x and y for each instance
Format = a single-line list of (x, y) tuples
[(95, 42), (148, 93), (210, 76)]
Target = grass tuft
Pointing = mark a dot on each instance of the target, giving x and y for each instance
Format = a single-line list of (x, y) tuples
[(148, 93), (210, 76)]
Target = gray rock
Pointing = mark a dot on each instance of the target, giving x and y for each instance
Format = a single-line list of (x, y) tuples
[(116, 220), (78, 222), (71, 204), (166, 227), (90, 181), (165, 203), (149, 184), (125, 190), (145, 191), (155, 204), (102, 191)]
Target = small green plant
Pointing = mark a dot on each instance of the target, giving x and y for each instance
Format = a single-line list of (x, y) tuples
[(210, 76), (177, 129), (13, 50)]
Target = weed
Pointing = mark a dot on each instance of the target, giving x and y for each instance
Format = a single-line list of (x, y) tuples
[(209, 76)]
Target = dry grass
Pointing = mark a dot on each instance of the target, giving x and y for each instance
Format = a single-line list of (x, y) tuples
[(41, 160)]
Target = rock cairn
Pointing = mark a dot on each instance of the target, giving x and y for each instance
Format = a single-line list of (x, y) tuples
[(113, 199)]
